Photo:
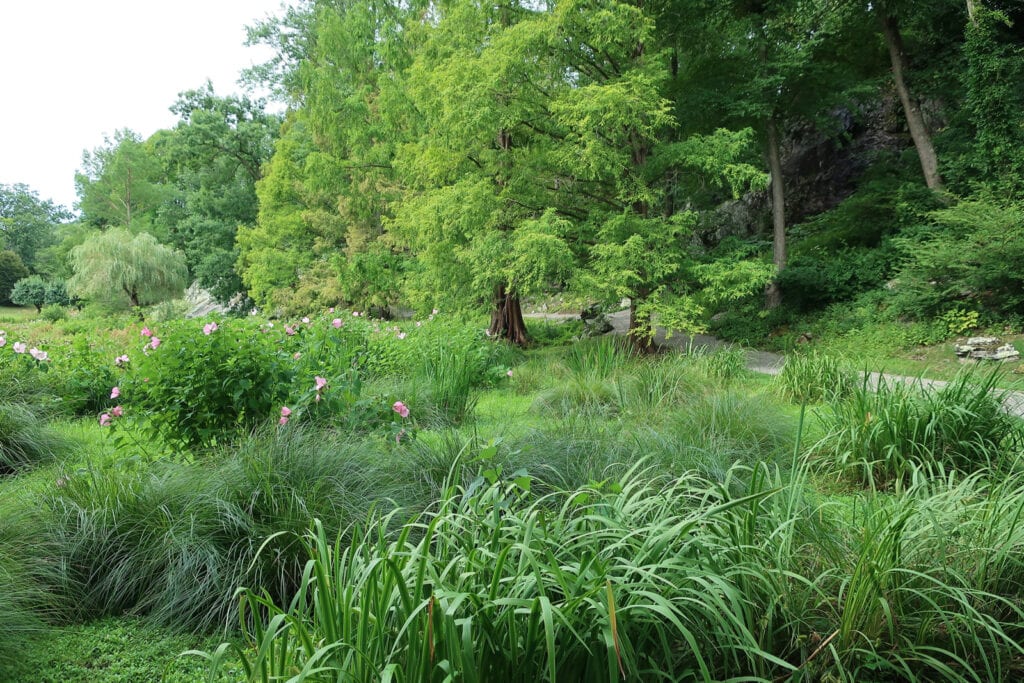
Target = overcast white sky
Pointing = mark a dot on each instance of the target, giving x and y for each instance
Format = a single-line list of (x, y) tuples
[(72, 71)]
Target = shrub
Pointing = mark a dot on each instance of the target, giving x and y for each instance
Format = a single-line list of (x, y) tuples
[(972, 252), (29, 291), (198, 388), (53, 313)]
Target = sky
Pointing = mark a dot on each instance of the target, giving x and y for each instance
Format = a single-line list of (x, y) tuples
[(74, 71)]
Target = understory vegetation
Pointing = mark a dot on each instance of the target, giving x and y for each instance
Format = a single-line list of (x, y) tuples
[(348, 498)]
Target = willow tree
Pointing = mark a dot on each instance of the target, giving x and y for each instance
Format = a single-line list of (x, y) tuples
[(123, 269)]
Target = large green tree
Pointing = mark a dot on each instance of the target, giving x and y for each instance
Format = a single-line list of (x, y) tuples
[(28, 223), (213, 158), (122, 183)]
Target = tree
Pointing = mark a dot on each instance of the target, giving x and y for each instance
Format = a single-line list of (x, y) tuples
[(122, 183), (11, 270), (29, 291), (213, 158), (28, 223), (127, 270)]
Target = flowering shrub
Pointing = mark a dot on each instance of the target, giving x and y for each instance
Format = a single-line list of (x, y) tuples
[(200, 384)]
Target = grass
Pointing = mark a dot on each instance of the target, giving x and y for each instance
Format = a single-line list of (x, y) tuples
[(122, 650), (593, 516)]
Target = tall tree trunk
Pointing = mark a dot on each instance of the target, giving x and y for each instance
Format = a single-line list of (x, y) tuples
[(972, 12), (773, 294), (912, 110), (507, 318)]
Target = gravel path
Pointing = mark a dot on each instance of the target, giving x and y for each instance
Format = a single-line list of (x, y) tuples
[(764, 362)]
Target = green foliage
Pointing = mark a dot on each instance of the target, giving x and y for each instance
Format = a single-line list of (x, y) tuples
[(111, 650), (25, 440), (887, 428), (553, 617), (29, 291), (816, 279), (27, 223), (815, 377), (11, 271), (27, 570), (993, 77), (122, 269), (53, 313), (173, 540), (56, 293), (122, 183), (198, 388), (972, 252)]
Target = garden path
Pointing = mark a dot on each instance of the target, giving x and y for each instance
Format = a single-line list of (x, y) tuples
[(765, 362)]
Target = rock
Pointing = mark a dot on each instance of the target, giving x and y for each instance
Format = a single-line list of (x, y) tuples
[(201, 303), (595, 322), (986, 348)]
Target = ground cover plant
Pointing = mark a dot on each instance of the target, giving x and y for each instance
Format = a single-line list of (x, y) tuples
[(415, 501)]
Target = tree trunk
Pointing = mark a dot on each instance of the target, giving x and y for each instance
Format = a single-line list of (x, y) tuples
[(773, 294), (912, 110), (972, 12), (507, 318), (640, 335)]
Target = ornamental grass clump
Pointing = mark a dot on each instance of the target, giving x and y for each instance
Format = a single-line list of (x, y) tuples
[(28, 573), (882, 431), (815, 378), (646, 583), (174, 540), (25, 439)]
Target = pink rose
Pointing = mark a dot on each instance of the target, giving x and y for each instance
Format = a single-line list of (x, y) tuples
[(118, 411), (115, 392), (104, 420)]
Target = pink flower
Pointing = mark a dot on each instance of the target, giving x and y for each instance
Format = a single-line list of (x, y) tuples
[(509, 373), (121, 360), (433, 312), (401, 335), (285, 411), (355, 314), (146, 332), (296, 355), (155, 342), (283, 421), (3, 341), (320, 383), (400, 408), (305, 320), (115, 392), (331, 309), (105, 420), (418, 323), (19, 347), (39, 355), (398, 437), (117, 411), (209, 328), (289, 330), (337, 322)]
